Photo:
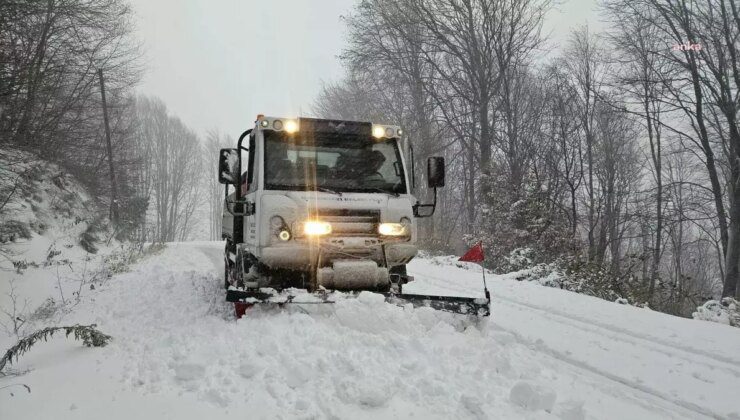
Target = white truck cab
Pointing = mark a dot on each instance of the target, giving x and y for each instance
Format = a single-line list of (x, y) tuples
[(321, 205)]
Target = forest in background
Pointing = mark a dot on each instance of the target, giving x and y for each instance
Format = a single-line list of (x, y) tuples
[(616, 160), (51, 53)]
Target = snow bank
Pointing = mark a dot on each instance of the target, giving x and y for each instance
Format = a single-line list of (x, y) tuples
[(54, 244), (44, 200), (178, 352)]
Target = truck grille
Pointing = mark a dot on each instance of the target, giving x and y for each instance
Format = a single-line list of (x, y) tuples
[(346, 222)]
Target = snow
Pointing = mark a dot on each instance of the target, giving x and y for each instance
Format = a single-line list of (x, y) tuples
[(178, 352), (726, 311), (532, 396), (59, 214)]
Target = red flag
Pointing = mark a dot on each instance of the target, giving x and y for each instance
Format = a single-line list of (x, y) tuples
[(474, 254)]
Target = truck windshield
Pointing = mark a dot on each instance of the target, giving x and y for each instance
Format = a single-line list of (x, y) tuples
[(333, 164)]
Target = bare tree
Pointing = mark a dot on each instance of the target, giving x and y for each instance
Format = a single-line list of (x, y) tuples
[(50, 52), (585, 58), (621, 150), (638, 43), (175, 167), (705, 89), (564, 130), (215, 191)]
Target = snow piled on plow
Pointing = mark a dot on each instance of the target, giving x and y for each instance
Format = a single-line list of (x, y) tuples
[(178, 352)]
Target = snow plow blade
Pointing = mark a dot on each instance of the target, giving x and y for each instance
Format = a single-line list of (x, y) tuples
[(258, 296), (454, 304)]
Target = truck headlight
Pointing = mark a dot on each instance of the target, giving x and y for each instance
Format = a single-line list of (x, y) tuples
[(378, 131), (392, 229), (291, 126), (316, 228)]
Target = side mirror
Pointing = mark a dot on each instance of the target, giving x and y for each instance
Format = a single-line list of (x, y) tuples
[(424, 210), (435, 179), (436, 172), (228, 166)]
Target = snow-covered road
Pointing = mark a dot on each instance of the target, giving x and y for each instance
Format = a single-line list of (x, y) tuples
[(545, 353), (671, 367)]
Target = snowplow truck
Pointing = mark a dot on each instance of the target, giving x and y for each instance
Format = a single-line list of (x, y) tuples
[(324, 205)]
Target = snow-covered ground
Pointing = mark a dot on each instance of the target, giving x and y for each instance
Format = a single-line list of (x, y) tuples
[(177, 352)]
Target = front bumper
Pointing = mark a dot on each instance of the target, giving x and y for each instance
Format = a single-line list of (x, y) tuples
[(300, 255)]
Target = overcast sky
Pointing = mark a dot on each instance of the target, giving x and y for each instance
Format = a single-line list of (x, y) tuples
[(218, 63)]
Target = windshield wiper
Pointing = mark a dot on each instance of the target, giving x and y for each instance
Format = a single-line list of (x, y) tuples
[(328, 190), (293, 187), (288, 187), (380, 190)]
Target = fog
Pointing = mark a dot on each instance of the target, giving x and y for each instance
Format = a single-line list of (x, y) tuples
[(217, 64)]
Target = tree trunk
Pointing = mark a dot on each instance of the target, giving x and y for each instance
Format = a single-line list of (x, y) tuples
[(591, 201), (109, 147), (732, 254), (471, 191), (485, 148), (655, 151)]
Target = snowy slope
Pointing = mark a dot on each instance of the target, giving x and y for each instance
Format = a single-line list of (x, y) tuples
[(178, 353), (54, 237)]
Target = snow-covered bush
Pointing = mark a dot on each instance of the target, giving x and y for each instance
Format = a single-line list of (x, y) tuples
[(622, 301), (538, 273), (121, 259), (520, 257), (521, 227), (575, 275), (725, 311), (588, 278), (12, 230)]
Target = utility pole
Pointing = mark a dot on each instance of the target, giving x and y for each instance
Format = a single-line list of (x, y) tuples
[(114, 192)]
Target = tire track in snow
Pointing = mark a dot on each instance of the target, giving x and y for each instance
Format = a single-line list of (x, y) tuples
[(674, 403), (667, 404), (669, 347), (649, 342), (632, 385)]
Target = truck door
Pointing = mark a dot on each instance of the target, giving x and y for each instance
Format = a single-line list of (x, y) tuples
[(249, 193)]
